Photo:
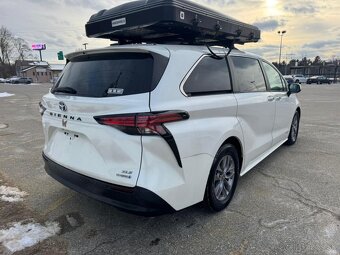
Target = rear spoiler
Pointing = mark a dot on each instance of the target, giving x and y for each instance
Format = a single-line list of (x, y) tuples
[(160, 50)]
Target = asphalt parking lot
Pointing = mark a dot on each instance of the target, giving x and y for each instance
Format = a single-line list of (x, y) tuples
[(288, 204)]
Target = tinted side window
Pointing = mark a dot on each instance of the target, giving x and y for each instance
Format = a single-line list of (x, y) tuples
[(210, 76), (274, 78), (248, 74)]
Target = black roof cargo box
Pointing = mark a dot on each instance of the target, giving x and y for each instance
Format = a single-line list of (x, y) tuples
[(169, 21)]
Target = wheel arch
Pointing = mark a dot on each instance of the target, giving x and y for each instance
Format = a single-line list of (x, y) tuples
[(238, 145), (299, 111)]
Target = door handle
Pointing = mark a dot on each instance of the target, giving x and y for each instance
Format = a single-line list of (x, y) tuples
[(271, 98)]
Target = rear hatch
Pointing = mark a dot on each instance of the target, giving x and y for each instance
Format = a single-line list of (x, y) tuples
[(100, 83)]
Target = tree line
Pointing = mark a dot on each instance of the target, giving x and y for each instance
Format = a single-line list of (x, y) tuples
[(317, 61), (12, 48)]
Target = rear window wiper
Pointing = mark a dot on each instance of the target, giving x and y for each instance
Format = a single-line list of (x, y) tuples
[(66, 90)]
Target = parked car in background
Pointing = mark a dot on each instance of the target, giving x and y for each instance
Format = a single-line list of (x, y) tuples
[(299, 78), (12, 79), (289, 79), (2, 80), (318, 80), (22, 80), (334, 80)]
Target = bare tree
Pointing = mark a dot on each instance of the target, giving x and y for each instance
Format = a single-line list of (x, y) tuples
[(317, 61), (6, 47), (305, 62), (22, 49)]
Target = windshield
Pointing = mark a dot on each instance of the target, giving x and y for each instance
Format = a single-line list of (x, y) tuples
[(108, 75)]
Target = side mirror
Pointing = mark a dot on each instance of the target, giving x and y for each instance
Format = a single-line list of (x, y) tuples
[(294, 88)]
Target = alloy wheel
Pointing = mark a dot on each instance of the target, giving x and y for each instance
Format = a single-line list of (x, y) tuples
[(224, 178)]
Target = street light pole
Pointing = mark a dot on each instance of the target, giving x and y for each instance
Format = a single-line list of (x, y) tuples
[(85, 45), (281, 33)]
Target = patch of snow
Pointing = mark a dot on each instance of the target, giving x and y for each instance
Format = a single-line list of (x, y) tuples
[(5, 94), (11, 194), (21, 236), (36, 84), (22, 84)]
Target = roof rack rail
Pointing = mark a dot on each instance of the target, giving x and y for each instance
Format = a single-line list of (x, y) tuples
[(169, 22)]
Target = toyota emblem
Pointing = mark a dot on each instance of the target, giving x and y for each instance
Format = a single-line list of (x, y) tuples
[(62, 106)]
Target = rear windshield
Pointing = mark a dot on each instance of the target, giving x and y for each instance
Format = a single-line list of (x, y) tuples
[(110, 75)]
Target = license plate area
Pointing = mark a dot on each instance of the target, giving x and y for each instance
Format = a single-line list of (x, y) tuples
[(71, 136)]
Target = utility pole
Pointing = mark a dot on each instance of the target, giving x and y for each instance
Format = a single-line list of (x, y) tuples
[(85, 45), (281, 33)]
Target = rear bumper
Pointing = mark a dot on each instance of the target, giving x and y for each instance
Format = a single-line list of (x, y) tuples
[(135, 200)]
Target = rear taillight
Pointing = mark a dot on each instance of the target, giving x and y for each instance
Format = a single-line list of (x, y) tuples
[(143, 123), (147, 124)]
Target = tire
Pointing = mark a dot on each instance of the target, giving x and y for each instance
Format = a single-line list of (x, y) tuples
[(221, 184), (294, 129), (297, 81)]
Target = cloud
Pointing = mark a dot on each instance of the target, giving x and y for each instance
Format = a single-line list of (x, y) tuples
[(220, 3), (267, 51), (304, 9), (94, 5), (313, 26), (86, 4), (321, 44), (269, 24)]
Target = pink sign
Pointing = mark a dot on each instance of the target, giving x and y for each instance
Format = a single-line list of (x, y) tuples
[(39, 46)]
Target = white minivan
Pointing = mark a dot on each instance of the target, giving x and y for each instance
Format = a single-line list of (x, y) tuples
[(153, 128)]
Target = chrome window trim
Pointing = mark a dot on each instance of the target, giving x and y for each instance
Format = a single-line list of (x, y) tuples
[(186, 77)]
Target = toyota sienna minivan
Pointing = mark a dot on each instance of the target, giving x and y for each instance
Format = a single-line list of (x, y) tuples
[(152, 128)]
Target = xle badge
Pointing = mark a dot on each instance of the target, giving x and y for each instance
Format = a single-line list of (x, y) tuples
[(125, 174)]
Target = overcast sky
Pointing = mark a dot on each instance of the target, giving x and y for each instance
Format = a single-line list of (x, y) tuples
[(313, 26)]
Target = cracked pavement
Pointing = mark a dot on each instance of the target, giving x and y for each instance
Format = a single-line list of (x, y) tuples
[(288, 204)]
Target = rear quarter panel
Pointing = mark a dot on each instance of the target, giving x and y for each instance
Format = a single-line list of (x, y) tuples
[(212, 120)]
